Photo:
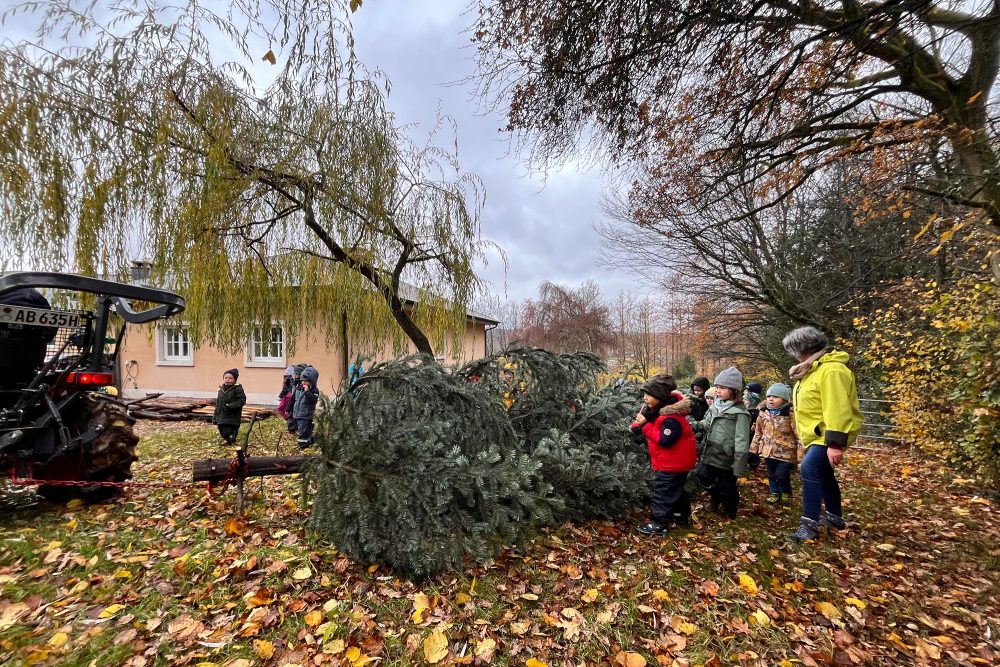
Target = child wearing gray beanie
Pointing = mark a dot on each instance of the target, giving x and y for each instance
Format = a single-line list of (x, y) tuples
[(726, 443)]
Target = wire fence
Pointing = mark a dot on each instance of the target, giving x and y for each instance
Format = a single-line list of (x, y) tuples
[(876, 427)]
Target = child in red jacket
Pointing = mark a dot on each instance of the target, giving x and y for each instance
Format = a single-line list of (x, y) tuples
[(672, 452)]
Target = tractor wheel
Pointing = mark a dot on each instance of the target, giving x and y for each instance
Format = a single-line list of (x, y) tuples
[(106, 458)]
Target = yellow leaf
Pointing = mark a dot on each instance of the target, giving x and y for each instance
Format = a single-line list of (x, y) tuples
[(435, 647), (462, 598), (302, 574), (748, 584), (661, 595), (629, 659), (828, 610), (529, 596), (263, 648), (590, 595), (269, 57), (786, 663), (75, 503), (760, 618), (421, 605), (352, 653), (855, 602), (335, 647), (123, 574), (233, 526), (472, 588), (485, 648), (314, 618), (59, 639), (687, 628), (72, 524), (534, 662), (111, 610)]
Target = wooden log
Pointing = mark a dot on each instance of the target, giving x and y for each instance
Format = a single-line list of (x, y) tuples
[(216, 470)]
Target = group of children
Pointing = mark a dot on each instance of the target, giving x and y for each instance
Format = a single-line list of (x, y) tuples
[(713, 433), (296, 403)]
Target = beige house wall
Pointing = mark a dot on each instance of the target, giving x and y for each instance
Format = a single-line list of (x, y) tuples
[(143, 370)]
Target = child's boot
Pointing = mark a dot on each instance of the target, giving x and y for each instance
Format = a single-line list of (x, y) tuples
[(808, 530), (652, 528), (831, 520)]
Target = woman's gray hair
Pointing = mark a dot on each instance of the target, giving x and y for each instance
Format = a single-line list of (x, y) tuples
[(804, 340)]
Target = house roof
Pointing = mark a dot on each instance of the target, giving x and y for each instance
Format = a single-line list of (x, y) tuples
[(408, 293)]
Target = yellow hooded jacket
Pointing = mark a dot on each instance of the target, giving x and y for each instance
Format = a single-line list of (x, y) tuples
[(826, 403)]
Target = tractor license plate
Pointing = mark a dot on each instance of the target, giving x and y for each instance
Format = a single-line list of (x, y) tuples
[(39, 317)]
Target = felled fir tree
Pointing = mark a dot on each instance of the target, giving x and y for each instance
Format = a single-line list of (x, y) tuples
[(578, 432), (419, 469)]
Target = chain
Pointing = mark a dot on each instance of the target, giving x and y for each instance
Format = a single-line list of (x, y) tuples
[(230, 478), (230, 475)]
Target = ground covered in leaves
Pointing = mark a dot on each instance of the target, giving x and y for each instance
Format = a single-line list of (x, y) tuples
[(172, 576)]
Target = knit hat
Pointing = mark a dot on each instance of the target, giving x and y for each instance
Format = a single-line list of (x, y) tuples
[(780, 390), (731, 377), (710, 393), (702, 382), (659, 386), (290, 370), (235, 373), (755, 387)]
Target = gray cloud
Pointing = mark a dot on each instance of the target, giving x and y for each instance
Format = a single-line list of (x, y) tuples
[(544, 224)]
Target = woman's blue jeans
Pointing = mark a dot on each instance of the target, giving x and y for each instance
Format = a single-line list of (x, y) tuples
[(819, 484)]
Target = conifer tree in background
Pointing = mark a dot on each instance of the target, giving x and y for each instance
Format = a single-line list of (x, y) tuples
[(420, 468), (577, 432)]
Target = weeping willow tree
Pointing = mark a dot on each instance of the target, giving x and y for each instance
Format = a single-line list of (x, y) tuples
[(266, 189)]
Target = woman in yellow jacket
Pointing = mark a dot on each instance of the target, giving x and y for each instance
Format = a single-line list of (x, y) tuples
[(827, 419)]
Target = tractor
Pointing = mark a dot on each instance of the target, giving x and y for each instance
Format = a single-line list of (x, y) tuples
[(63, 423)]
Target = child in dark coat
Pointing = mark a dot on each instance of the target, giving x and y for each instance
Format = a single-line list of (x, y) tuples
[(672, 452), (229, 406), (303, 407)]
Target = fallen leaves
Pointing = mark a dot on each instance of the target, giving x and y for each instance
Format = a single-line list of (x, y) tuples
[(578, 593), (747, 583), (435, 647)]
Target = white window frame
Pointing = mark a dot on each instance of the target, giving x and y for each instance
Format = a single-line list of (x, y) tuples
[(255, 361), (162, 345)]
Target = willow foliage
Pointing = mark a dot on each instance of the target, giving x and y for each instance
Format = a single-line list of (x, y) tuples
[(258, 191)]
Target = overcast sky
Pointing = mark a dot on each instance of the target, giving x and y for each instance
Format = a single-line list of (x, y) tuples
[(545, 225)]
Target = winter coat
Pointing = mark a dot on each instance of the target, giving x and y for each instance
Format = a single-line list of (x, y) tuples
[(774, 435), (727, 436), (229, 404), (669, 437), (827, 411), (303, 405), (699, 407)]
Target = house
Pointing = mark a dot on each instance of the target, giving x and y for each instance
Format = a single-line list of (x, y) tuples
[(165, 360)]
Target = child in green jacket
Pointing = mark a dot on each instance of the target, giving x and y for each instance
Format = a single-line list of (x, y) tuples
[(726, 429)]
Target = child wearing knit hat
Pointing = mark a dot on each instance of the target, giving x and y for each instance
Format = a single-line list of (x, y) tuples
[(776, 441), (672, 452), (726, 430), (229, 406)]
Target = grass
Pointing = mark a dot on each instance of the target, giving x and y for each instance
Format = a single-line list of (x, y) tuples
[(167, 576)]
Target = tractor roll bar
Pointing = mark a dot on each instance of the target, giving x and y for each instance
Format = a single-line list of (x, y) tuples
[(116, 293)]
